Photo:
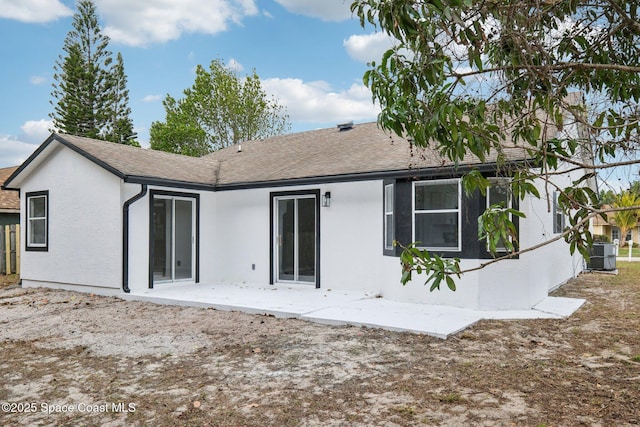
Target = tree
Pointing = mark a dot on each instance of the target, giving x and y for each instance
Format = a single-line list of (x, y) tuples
[(70, 115), (180, 133), (471, 77), (219, 110), (634, 188), (607, 197), (119, 126), (626, 218), (89, 92)]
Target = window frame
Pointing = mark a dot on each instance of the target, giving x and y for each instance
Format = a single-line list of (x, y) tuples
[(509, 205), (29, 246), (615, 233), (174, 195), (457, 211), (558, 216), (388, 216)]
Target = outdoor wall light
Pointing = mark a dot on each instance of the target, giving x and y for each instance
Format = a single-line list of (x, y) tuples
[(326, 199)]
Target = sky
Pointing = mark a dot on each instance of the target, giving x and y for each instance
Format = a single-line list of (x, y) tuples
[(309, 54)]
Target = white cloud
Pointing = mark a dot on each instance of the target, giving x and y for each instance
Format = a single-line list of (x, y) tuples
[(234, 65), (33, 11), (327, 10), (368, 48), (36, 131), (14, 151), (316, 102), (156, 21), (152, 98), (37, 80)]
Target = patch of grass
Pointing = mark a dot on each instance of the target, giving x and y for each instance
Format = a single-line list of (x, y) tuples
[(467, 336), (636, 358), (633, 266), (628, 273), (623, 251), (405, 411), (451, 398)]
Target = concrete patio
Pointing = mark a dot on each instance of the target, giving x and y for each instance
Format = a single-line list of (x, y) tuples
[(341, 307)]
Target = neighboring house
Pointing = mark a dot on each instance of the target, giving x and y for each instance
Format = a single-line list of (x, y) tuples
[(608, 228), (9, 201), (318, 209)]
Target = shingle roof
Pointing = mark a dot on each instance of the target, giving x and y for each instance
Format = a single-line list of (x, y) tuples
[(139, 162), (9, 200), (363, 149)]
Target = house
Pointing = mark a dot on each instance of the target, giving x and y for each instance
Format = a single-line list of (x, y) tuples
[(608, 228), (316, 209), (9, 201)]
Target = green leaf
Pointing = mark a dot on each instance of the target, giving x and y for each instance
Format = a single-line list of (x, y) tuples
[(451, 283)]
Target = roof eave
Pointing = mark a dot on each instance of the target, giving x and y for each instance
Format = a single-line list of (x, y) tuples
[(54, 137), (367, 176), (7, 183), (92, 158), (162, 182)]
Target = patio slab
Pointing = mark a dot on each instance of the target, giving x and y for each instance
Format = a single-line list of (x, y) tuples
[(343, 307), (437, 321), (276, 300)]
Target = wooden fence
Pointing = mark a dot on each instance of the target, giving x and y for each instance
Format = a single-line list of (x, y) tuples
[(10, 249)]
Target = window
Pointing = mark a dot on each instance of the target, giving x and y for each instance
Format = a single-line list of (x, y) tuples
[(499, 194), (615, 233), (436, 215), (388, 217), (37, 221), (558, 216)]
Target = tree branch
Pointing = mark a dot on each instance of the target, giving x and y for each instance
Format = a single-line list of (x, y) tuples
[(582, 222), (550, 67)]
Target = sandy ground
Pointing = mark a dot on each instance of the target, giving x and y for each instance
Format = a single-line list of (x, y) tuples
[(78, 359)]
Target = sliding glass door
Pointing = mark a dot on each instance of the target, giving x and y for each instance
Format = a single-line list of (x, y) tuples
[(296, 238), (173, 238)]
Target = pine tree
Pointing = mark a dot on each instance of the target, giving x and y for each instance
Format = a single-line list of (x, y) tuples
[(69, 114), (119, 124), (90, 94)]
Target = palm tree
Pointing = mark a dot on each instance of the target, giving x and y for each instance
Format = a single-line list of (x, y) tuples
[(626, 219)]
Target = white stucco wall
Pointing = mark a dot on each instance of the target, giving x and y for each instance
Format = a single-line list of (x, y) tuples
[(85, 241), (552, 264), (351, 237), (351, 255), (240, 253), (351, 251), (85, 225), (139, 235), (525, 282)]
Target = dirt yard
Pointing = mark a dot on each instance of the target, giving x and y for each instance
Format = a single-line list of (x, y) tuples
[(77, 359)]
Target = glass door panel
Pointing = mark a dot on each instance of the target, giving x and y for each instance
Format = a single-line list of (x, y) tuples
[(183, 253), (296, 239), (286, 239), (173, 239), (162, 239), (307, 240)]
